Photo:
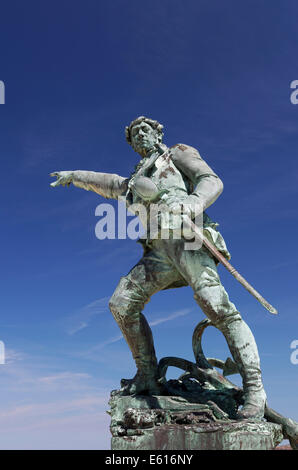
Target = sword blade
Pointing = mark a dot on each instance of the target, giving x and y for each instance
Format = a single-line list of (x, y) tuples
[(231, 268)]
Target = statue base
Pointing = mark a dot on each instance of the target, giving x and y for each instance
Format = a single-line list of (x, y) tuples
[(174, 423), (197, 411)]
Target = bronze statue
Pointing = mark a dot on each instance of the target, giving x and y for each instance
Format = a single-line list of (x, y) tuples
[(181, 177)]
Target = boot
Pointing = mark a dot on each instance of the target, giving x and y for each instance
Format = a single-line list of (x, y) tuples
[(138, 336), (244, 350)]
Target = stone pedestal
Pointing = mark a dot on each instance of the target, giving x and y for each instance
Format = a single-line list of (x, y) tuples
[(173, 423)]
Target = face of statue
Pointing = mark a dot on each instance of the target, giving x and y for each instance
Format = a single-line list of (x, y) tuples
[(143, 138)]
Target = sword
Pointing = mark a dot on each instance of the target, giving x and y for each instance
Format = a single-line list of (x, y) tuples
[(230, 268)]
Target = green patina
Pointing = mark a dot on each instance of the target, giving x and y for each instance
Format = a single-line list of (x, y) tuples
[(180, 175)]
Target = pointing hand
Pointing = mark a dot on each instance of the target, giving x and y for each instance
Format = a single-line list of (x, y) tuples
[(63, 178)]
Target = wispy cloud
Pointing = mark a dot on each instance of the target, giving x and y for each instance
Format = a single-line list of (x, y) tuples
[(90, 352), (89, 402), (29, 416), (114, 339), (63, 377), (12, 356), (77, 328), (15, 378), (178, 313), (83, 316), (39, 400)]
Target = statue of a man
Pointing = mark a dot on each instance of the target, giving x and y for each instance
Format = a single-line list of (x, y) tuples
[(167, 264)]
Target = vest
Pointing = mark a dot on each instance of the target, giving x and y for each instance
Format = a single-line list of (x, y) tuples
[(174, 187)]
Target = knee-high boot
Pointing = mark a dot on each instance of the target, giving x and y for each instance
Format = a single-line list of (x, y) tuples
[(244, 350), (138, 336)]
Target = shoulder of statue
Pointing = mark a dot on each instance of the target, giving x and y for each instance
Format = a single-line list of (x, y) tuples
[(182, 153), (188, 160)]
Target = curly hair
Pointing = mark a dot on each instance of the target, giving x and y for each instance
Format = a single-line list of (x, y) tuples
[(154, 124)]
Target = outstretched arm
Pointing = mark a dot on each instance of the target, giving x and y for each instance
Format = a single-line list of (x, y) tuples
[(108, 185)]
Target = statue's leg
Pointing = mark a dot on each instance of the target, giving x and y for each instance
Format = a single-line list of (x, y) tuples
[(149, 276), (199, 269)]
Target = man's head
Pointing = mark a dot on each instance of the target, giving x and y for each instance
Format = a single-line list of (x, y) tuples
[(143, 133)]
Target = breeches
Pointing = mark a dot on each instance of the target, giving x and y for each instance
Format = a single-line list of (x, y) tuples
[(165, 265)]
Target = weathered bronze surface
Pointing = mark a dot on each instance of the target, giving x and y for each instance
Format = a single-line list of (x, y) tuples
[(199, 408), (174, 423), (181, 177)]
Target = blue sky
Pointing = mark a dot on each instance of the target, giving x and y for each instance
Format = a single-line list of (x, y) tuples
[(217, 75)]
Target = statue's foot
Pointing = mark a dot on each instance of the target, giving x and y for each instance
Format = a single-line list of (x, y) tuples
[(142, 384), (254, 406)]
